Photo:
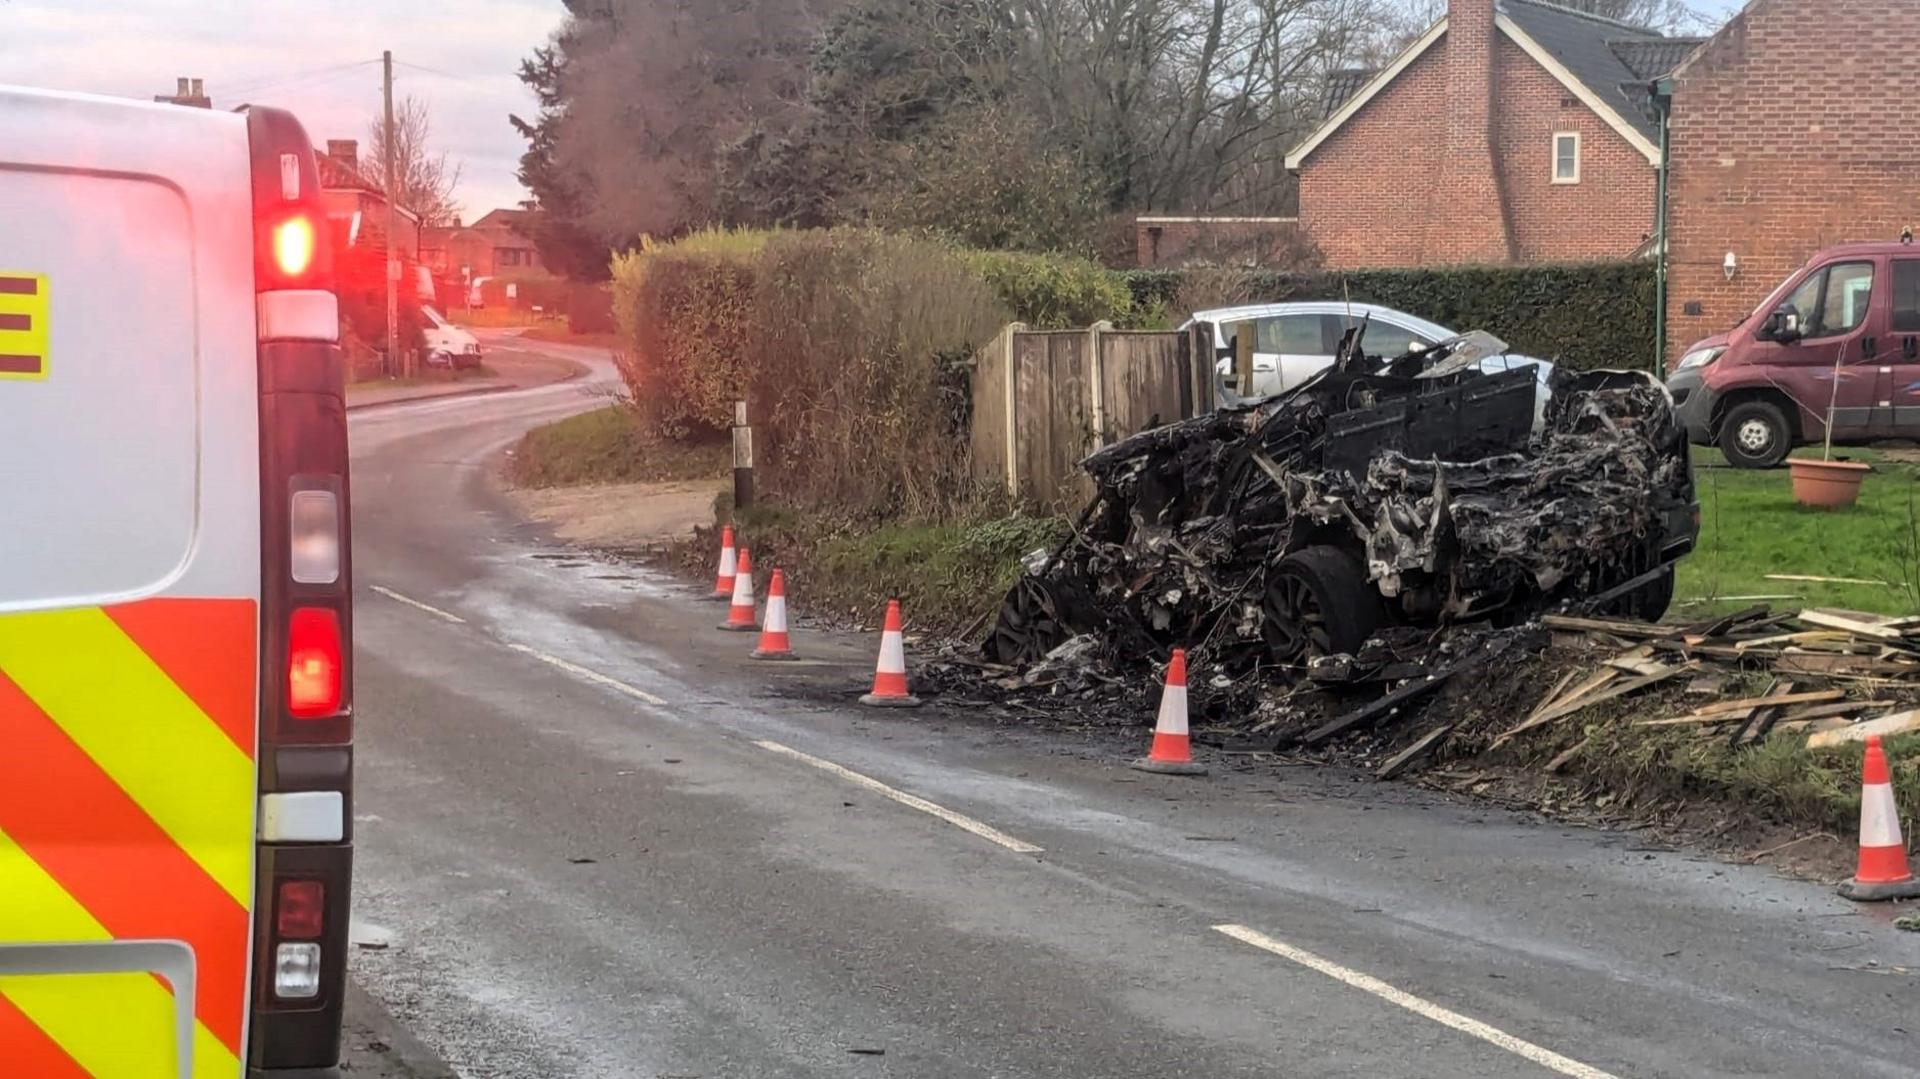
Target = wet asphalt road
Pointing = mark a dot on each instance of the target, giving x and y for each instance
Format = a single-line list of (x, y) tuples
[(586, 848)]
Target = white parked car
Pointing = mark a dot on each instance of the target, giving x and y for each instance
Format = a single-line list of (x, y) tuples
[(448, 345), (1295, 341)]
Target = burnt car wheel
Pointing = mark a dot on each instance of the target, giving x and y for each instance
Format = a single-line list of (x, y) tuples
[(1755, 434), (1319, 602), (1650, 601)]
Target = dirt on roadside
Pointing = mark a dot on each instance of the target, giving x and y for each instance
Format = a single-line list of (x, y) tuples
[(622, 516)]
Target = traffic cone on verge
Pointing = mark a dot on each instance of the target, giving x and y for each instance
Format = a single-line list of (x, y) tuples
[(890, 674), (773, 629), (1883, 872), (740, 615), (723, 581), (1171, 754)]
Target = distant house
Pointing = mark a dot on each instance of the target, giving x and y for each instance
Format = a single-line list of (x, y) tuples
[(1511, 131), (355, 206), (493, 246), (1792, 129)]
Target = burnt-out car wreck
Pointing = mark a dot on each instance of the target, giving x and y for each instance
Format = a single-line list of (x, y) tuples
[(1413, 492)]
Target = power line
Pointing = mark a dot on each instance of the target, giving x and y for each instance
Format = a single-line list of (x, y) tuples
[(285, 80), (436, 71)]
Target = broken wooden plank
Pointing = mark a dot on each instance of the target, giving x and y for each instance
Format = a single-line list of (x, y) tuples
[(1811, 696), (1565, 756), (1645, 630), (1842, 664), (1391, 702), (1691, 721), (1824, 711), (1762, 719), (1823, 580), (1846, 622), (1716, 626), (1420, 748), (1711, 651), (1783, 639), (1896, 723), (1621, 689), (1554, 693), (1811, 726)]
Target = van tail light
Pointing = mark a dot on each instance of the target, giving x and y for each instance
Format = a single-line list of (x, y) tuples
[(314, 666), (314, 540), (300, 910), (294, 240)]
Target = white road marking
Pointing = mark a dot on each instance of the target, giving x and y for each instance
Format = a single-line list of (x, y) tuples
[(958, 820), (432, 610), (1546, 1058), (635, 692)]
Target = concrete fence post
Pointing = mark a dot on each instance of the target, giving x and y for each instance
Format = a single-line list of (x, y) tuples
[(1097, 381), (1009, 356), (742, 457)]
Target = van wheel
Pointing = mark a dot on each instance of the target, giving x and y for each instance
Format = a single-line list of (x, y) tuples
[(1755, 434), (1319, 602)]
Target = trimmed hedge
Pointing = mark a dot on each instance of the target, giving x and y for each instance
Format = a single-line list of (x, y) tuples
[(1583, 316)]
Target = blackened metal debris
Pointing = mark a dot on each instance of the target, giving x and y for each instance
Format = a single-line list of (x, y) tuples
[(1412, 493)]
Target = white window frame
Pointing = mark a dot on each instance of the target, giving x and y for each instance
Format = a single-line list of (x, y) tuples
[(1553, 164)]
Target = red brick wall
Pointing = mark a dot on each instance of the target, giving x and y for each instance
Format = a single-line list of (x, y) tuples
[(1472, 223), (1794, 129), (1365, 194), (1608, 213), (1365, 200)]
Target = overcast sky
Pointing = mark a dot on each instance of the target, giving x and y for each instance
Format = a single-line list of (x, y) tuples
[(320, 59)]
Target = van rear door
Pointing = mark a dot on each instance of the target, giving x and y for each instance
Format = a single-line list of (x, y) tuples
[(130, 588)]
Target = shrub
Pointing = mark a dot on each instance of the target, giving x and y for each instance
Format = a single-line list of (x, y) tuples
[(861, 343), (1052, 292), (685, 315)]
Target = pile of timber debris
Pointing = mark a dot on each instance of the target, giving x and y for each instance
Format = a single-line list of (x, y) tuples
[(1410, 696)]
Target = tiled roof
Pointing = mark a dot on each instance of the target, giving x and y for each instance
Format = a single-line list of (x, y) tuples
[(1341, 85), (1613, 59), (334, 174)]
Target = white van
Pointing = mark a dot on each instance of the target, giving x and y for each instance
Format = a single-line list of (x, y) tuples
[(175, 623), (448, 345)]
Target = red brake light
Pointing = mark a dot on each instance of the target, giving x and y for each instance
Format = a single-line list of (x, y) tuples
[(293, 245), (300, 913), (313, 663)]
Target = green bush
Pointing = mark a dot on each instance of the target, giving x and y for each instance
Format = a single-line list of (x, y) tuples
[(685, 316), (861, 342), (1054, 292)]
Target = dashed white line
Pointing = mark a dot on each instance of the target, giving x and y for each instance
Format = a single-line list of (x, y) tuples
[(596, 677), (430, 609), (1546, 1058), (958, 820)]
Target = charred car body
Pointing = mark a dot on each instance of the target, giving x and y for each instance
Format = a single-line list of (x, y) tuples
[(1415, 491)]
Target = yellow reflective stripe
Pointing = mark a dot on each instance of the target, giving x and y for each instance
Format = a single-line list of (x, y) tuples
[(114, 1025), (143, 731)]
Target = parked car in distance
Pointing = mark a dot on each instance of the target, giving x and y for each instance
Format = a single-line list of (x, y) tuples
[(1841, 332), (1296, 340), (448, 345)]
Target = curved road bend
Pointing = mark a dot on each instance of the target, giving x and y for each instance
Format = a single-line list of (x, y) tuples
[(597, 842)]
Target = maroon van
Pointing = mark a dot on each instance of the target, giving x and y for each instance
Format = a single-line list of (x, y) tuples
[(1843, 332)]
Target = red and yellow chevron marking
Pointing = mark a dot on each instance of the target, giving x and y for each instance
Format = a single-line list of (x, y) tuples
[(127, 795)]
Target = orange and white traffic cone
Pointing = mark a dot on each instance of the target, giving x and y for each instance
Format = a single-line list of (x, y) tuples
[(740, 615), (1883, 872), (890, 674), (774, 643), (1171, 753), (723, 581)]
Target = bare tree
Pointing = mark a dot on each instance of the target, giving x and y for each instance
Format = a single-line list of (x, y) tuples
[(424, 180)]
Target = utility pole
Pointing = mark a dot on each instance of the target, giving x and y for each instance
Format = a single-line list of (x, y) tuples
[(393, 261)]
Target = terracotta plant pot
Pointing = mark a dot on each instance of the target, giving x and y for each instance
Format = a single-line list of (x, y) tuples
[(1827, 485)]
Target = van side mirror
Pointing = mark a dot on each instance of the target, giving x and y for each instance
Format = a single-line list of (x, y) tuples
[(1782, 326)]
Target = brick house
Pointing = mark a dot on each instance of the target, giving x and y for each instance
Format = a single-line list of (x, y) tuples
[(493, 246), (1792, 129), (1511, 131), (345, 191)]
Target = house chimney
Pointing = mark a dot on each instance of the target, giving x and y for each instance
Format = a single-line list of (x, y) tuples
[(197, 89), (346, 152), (1475, 229), (182, 86)]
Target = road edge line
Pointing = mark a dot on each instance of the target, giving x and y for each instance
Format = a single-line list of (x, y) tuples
[(913, 801), (409, 601), (596, 677), (1427, 1009)]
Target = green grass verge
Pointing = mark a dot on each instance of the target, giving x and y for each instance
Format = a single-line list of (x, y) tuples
[(946, 575), (1750, 526), (608, 445)]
